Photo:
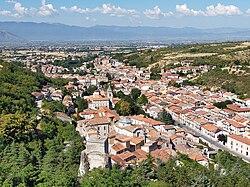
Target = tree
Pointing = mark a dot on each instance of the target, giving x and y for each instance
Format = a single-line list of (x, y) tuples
[(135, 93), (223, 104), (16, 126), (31, 154), (166, 117), (66, 91), (53, 106), (120, 94), (48, 127), (123, 108), (91, 90), (222, 138), (155, 72), (90, 65), (142, 100), (81, 103), (108, 76)]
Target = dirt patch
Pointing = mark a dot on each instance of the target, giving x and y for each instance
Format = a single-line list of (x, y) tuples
[(243, 45), (185, 55)]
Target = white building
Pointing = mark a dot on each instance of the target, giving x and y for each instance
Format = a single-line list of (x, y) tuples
[(101, 125), (97, 100), (239, 144)]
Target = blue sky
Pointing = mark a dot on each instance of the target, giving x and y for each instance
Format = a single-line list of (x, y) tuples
[(172, 13)]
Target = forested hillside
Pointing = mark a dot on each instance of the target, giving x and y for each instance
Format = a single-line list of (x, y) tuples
[(31, 156)]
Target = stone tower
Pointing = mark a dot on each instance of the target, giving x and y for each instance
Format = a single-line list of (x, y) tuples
[(110, 93)]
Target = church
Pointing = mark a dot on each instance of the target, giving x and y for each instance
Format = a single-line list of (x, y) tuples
[(101, 99)]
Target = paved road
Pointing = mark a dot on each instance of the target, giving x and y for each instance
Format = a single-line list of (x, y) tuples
[(216, 144)]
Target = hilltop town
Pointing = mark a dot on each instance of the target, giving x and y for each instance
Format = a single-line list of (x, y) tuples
[(198, 122), (124, 113)]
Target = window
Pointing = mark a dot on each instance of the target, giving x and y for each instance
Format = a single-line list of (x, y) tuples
[(104, 128), (247, 153)]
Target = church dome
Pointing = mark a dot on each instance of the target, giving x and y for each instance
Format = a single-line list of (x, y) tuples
[(125, 121)]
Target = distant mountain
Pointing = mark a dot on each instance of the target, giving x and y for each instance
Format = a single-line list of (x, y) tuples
[(60, 32), (9, 37)]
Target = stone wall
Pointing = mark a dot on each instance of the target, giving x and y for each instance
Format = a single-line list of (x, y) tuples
[(95, 155)]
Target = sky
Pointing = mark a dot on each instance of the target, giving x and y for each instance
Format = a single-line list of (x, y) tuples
[(167, 13)]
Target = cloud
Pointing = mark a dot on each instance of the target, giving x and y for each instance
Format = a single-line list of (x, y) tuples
[(222, 10), (188, 12), (64, 8), (104, 9), (248, 11), (75, 9), (10, 1), (8, 13), (117, 11), (218, 10), (156, 13), (20, 9), (46, 9)]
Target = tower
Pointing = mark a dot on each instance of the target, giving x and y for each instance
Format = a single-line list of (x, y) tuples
[(110, 93)]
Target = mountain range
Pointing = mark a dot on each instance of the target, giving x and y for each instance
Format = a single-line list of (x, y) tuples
[(30, 31), (9, 37)]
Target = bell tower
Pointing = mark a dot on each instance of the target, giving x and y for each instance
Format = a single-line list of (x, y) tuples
[(110, 93)]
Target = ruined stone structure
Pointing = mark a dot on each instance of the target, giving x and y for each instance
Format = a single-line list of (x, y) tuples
[(95, 155)]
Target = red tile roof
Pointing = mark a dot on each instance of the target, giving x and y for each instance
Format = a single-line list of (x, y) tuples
[(240, 139)]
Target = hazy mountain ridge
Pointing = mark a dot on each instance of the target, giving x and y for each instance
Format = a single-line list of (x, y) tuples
[(60, 32), (9, 37)]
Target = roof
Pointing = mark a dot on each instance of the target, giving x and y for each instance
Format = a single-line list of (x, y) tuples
[(37, 94), (147, 120), (95, 121), (122, 138), (61, 114), (235, 124), (197, 157), (175, 136), (164, 154), (118, 147), (240, 119), (236, 108), (117, 159), (100, 99), (112, 134), (169, 127), (125, 155), (132, 128), (240, 139), (140, 153), (210, 127), (181, 147), (136, 140)]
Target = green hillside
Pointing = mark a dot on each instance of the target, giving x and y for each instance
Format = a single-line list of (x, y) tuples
[(28, 156)]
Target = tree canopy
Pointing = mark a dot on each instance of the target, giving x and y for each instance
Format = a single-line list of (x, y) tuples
[(33, 152), (227, 170)]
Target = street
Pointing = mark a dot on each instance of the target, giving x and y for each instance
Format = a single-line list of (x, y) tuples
[(215, 144)]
